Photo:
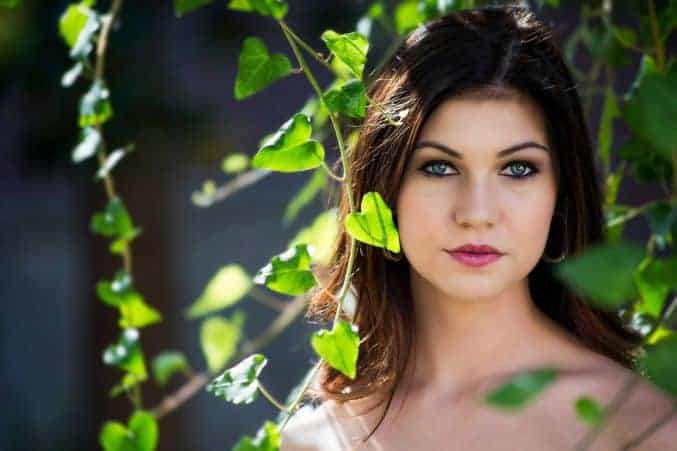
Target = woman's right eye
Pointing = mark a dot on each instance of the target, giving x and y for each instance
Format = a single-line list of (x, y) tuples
[(437, 167)]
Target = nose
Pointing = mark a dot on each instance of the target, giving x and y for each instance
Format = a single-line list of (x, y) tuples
[(476, 205)]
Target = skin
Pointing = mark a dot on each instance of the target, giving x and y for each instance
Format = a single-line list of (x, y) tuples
[(477, 326)]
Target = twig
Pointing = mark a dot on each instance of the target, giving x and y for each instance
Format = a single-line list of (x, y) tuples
[(199, 380), (650, 430)]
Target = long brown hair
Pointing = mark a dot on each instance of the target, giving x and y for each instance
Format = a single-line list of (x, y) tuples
[(485, 53)]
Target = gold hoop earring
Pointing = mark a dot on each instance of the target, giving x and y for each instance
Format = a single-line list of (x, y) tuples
[(564, 253)]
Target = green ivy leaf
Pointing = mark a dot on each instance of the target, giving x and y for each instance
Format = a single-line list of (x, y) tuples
[(73, 21), (291, 148), (521, 389), (134, 312), (589, 410), (219, 338), (72, 75), (167, 364), (651, 106), (114, 221), (351, 48), (603, 274), (408, 16), (267, 439), (659, 364), (84, 44), (141, 434), (90, 141), (374, 223), (654, 280), (229, 285), (321, 236), (239, 384), (126, 354), (235, 163), (338, 347), (182, 7), (258, 69), (349, 99), (95, 108), (113, 292), (647, 164), (273, 8), (305, 195), (289, 272)]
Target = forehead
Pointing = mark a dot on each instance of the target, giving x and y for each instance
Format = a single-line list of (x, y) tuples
[(483, 125)]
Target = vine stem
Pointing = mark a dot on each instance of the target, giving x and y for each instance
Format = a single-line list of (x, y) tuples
[(650, 430), (198, 380), (609, 411), (351, 202), (271, 398), (655, 32)]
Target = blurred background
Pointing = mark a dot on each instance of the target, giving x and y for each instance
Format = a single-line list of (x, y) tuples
[(171, 82)]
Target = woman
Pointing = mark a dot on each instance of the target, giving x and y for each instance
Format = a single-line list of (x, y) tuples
[(492, 154)]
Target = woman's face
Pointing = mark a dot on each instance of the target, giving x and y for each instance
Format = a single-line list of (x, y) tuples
[(478, 197)]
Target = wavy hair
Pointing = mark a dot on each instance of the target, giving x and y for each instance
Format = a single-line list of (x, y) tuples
[(485, 53)]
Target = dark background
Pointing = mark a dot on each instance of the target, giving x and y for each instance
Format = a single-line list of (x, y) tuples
[(171, 81)]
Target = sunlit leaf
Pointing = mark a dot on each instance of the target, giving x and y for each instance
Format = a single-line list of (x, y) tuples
[(219, 338), (351, 48), (321, 235), (95, 107), (228, 286), (291, 148), (267, 439), (257, 68), (140, 434), (339, 347), (274, 8), (288, 273), (239, 384), (374, 224)]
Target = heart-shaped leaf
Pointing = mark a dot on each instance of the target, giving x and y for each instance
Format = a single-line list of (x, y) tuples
[(239, 384), (136, 313), (659, 364), (273, 8), (374, 223), (167, 364), (289, 272), (339, 347), (589, 410), (228, 286), (654, 280), (291, 148), (257, 68), (603, 274), (95, 107), (114, 221), (267, 439), (141, 434), (351, 48), (126, 354), (521, 389), (219, 338), (349, 99), (73, 21)]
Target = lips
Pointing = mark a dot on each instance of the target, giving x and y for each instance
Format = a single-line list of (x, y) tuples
[(476, 249)]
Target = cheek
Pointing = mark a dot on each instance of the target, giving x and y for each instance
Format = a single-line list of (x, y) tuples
[(420, 215)]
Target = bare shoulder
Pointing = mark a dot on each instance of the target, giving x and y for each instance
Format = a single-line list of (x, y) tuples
[(309, 429), (645, 408)]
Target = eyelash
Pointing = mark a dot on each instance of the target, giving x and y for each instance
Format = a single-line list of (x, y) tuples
[(534, 169)]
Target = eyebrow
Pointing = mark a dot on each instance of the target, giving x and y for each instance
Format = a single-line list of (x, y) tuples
[(502, 153)]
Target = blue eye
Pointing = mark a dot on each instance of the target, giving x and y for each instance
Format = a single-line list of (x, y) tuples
[(524, 169)]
